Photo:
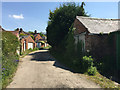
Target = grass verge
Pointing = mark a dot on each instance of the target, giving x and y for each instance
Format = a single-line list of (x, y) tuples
[(23, 54), (103, 81), (10, 67), (47, 47)]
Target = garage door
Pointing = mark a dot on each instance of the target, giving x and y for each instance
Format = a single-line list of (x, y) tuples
[(30, 45)]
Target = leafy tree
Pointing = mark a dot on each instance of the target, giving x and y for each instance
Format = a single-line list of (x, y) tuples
[(32, 37), (22, 34), (16, 29), (30, 32), (60, 21), (42, 34)]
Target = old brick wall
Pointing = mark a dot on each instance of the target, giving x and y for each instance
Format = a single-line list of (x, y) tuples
[(34, 45), (27, 40), (38, 37), (100, 45), (80, 28), (22, 45), (26, 43)]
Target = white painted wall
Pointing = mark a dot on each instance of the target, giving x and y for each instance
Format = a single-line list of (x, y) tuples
[(30, 45), (45, 44)]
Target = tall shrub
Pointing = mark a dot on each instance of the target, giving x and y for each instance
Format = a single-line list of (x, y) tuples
[(60, 20), (9, 57)]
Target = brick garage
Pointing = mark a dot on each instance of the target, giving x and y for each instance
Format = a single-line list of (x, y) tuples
[(37, 37), (94, 33), (27, 42), (99, 45), (40, 42), (100, 38)]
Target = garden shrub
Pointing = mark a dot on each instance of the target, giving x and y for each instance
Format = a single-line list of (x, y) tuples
[(87, 65), (22, 34), (32, 37), (87, 62), (30, 49), (35, 49), (92, 70)]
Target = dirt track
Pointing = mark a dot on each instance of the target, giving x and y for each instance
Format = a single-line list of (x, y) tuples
[(38, 70)]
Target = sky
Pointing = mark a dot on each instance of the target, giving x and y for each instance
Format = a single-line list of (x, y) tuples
[(34, 15)]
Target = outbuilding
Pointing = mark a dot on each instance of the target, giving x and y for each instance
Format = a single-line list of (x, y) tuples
[(95, 35), (27, 42)]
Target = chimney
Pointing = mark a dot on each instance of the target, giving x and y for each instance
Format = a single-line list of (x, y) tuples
[(35, 31), (21, 30), (0, 28), (17, 29)]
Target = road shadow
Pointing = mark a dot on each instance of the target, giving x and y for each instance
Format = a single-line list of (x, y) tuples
[(41, 56), (44, 55), (58, 65)]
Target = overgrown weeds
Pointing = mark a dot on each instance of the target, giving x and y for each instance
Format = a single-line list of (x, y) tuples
[(72, 55), (27, 51)]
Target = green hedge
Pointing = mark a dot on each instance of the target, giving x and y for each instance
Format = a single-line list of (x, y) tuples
[(10, 58)]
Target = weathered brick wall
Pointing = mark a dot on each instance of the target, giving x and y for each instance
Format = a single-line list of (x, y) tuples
[(100, 46), (79, 27), (27, 40), (34, 45), (97, 44), (38, 37), (26, 43), (22, 45)]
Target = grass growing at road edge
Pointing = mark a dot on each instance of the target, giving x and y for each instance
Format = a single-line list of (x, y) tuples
[(103, 81)]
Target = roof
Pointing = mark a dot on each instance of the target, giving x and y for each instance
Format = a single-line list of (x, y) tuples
[(24, 36), (38, 41), (36, 35), (97, 25)]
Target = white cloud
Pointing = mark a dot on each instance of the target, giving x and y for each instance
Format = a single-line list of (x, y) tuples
[(17, 16)]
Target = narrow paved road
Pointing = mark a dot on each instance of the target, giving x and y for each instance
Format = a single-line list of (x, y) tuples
[(37, 70)]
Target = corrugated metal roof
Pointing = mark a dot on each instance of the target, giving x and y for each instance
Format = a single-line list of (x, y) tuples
[(97, 25)]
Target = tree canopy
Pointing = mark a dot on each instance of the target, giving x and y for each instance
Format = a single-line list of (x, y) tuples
[(30, 32), (42, 34), (61, 19)]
